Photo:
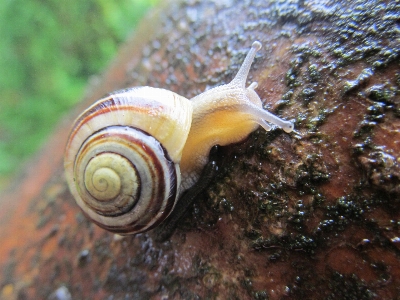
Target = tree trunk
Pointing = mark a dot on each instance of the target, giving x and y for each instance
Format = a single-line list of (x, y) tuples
[(314, 216)]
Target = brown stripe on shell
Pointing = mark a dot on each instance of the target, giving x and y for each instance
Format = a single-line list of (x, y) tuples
[(104, 106), (170, 202), (137, 228), (82, 154), (171, 199), (157, 199)]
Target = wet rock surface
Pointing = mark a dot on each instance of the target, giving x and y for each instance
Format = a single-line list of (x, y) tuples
[(309, 216)]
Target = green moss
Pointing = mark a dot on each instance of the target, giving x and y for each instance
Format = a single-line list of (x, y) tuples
[(363, 77), (382, 93), (340, 215), (308, 94), (296, 242), (313, 73), (261, 295), (348, 287)]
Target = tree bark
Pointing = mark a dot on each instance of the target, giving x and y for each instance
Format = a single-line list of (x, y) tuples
[(314, 216)]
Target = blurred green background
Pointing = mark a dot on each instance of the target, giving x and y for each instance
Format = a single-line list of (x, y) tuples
[(48, 51)]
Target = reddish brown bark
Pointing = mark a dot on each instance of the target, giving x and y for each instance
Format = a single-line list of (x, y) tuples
[(310, 217)]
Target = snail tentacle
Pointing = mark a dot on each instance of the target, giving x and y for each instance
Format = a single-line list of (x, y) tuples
[(241, 76)]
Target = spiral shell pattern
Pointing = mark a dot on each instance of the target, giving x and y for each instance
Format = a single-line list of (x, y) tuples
[(124, 174), (119, 173)]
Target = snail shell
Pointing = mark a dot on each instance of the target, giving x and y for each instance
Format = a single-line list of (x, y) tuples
[(123, 178), (126, 153)]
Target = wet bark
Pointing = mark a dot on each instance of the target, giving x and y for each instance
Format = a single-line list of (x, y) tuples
[(313, 217)]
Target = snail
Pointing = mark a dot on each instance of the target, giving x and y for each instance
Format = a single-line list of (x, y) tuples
[(131, 155)]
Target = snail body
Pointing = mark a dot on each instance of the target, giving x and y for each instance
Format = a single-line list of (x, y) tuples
[(132, 154)]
